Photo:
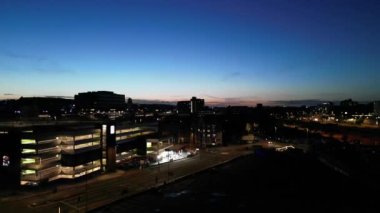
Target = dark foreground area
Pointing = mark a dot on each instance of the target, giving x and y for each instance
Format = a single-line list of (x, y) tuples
[(266, 181)]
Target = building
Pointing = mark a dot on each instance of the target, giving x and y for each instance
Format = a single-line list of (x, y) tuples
[(158, 146), (99, 101), (325, 108), (183, 107), (35, 154), (348, 103), (129, 102), (10, 159), (196, 105), (130, 140), (206, 131), (376, 108)]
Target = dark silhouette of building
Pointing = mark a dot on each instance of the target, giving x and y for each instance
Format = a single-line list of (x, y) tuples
[(130, 102), (348, 103), (37, 106), (376, 107), (207, 131), (196, 105), (100, 100), (183, 107)]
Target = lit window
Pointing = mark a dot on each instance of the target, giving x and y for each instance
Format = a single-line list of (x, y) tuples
[(28, 151), (28, 172), (27, 161), (112, 129), (28, 141)]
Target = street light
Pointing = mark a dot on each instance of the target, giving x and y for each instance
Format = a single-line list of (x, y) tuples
[(86, 190)]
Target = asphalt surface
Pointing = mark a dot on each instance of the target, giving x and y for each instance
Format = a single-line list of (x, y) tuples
[(107, 188), (264, 182)]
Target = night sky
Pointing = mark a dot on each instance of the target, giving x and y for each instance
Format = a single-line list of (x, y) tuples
[(232, 52)]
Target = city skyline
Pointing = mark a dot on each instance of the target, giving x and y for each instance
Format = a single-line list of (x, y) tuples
[(227, 52), (221, 103)]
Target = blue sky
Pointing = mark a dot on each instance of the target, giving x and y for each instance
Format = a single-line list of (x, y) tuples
[(232, 52)]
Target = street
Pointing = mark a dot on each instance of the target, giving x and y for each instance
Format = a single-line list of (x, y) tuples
[(107, 188)]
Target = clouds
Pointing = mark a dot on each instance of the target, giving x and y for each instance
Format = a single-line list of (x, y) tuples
[(20, 62), (14, 55), (231, 75), (9, 96), (306, 102), (232, 101)]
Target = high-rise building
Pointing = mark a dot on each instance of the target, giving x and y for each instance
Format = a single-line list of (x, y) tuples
[(196, 105)]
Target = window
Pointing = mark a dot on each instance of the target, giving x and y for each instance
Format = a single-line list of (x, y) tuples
[(28, 141), (27, 161), (28, 151), (28, 172)]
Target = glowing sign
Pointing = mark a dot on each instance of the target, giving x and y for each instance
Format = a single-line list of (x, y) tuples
[(112, 129)]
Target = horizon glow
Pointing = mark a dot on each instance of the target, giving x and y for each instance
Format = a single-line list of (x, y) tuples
[(227, 52)]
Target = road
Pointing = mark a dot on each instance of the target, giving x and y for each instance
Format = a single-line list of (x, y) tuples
[(107, 188), (267, 182)]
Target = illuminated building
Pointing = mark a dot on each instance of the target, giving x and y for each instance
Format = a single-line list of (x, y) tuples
[(36, 154), (207, 131)]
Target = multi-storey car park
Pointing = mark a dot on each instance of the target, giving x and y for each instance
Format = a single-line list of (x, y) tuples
[(34, 154)]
